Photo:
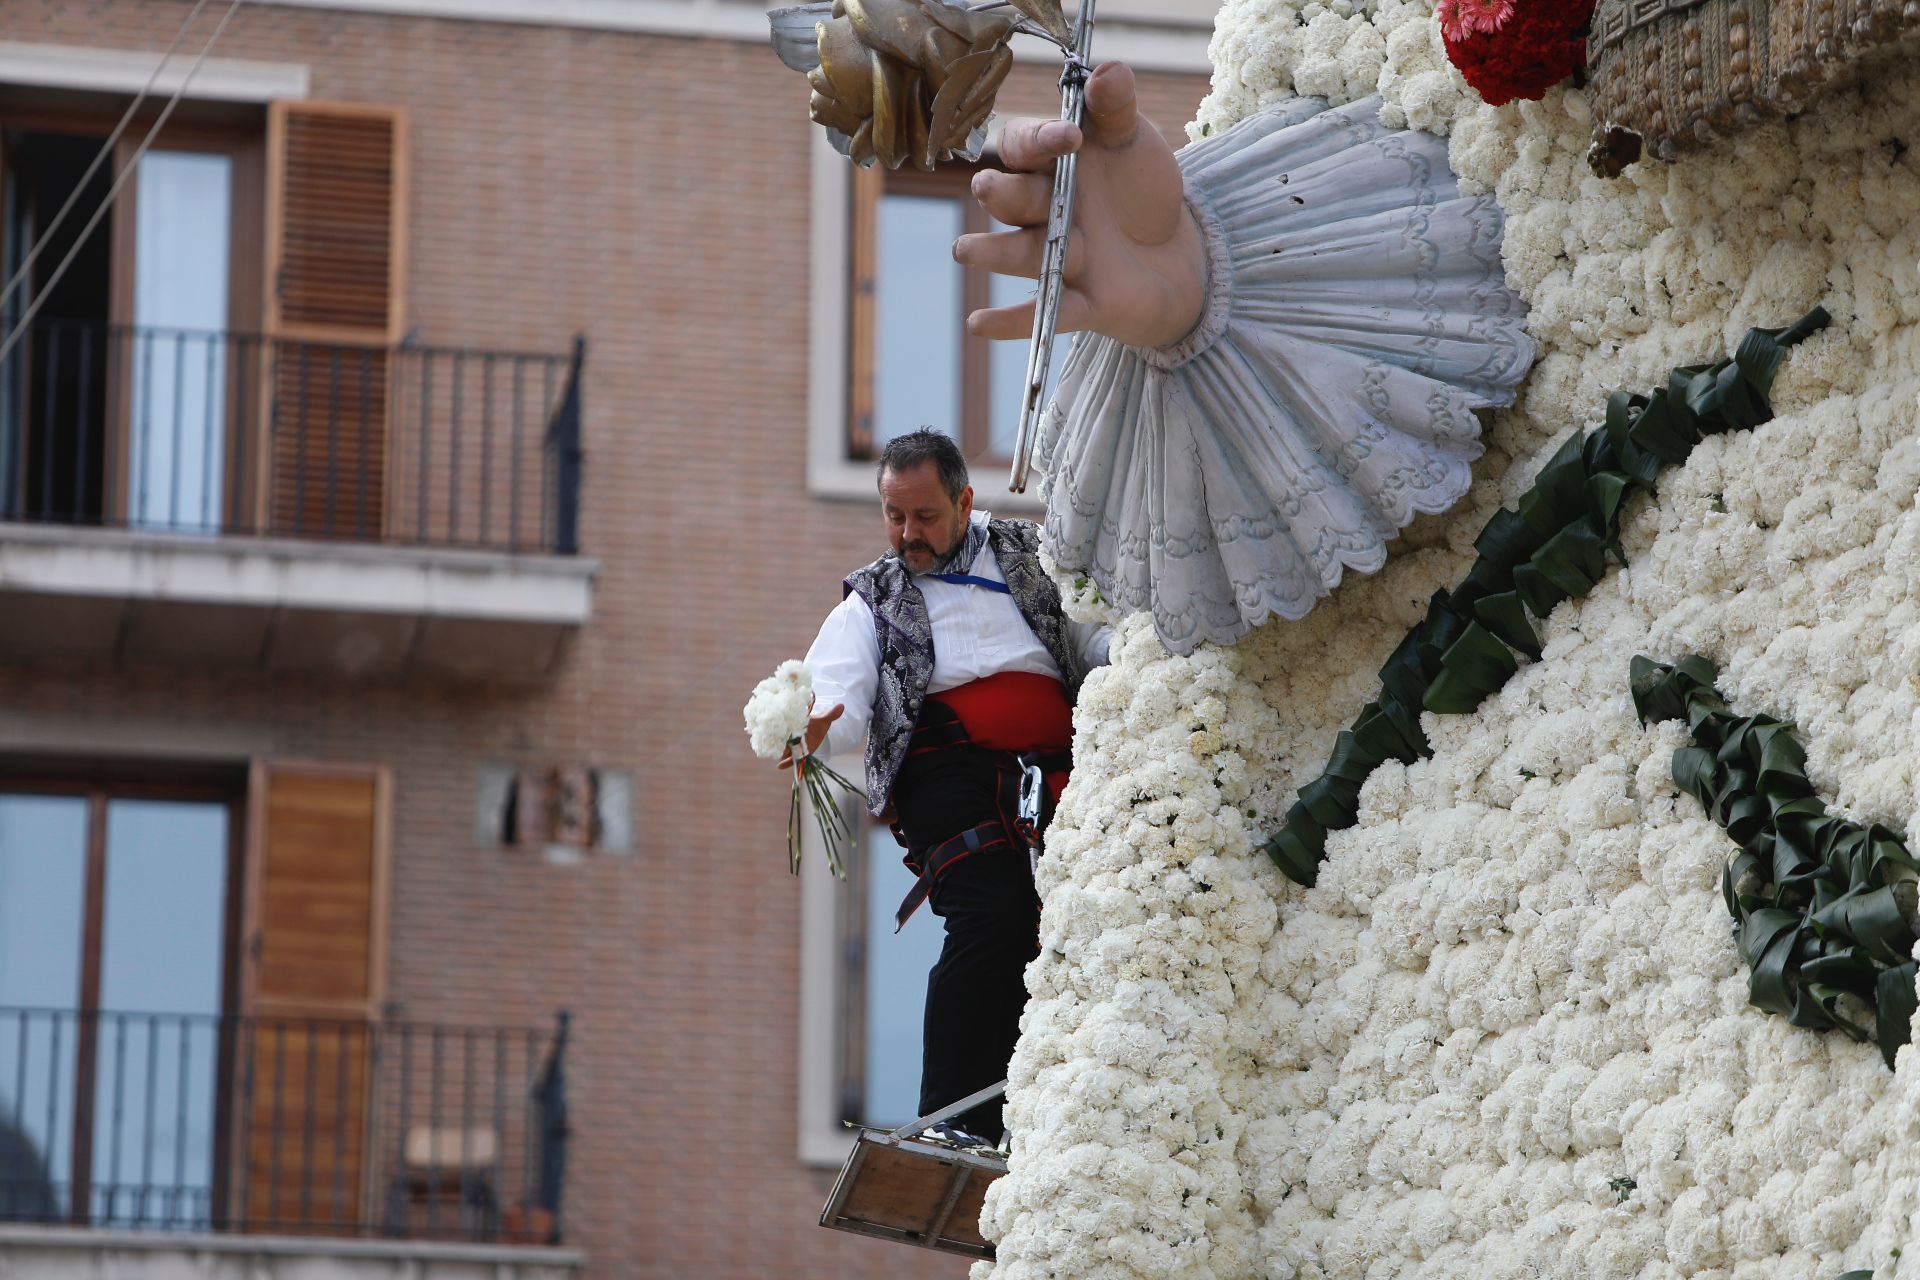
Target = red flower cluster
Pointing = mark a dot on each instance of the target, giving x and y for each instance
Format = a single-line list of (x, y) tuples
[(1511, 49)]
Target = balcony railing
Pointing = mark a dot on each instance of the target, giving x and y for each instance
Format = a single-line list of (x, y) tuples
[(287, 1125), (220, 432)]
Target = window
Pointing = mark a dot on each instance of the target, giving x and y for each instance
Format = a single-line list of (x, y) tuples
[(910, 362), (185, 374), (188, 974), (884, 977), (116, 960), (114, 405), (863, 989)]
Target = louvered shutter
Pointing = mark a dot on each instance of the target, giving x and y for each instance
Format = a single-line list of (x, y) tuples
[(336, 218), (312, 983)]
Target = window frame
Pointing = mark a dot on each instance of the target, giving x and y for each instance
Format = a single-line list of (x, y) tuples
[(833, 469), (238, 133), (98, 796), (949, 181)]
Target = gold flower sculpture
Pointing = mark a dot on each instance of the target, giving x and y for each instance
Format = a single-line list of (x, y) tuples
[(914, 79)]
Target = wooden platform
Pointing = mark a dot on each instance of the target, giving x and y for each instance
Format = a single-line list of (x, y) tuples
[(897, 1186)]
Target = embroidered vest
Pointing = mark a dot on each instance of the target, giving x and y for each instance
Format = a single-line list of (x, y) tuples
[(905, 633)]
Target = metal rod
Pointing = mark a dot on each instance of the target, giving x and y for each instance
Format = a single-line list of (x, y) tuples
[(306, 1122), (486, 446), (146, 1143), (239, 355), (426, 437), (50, 409), (119, 1108), (340, 1124), (532, 1106), (20, 1077), (466, 1127), (279, 1121), (453, 451), (546, 453), (362, 466), (300, 443), (513, 482), (331, 528), (85, 431), (433, 1132), (398, 1211), (208, 439), (179, 387), (53, 1094), (1053, 258), (180, 1125), (499, 1107)]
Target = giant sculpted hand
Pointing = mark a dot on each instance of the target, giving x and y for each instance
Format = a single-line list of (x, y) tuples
[(1136, 266)]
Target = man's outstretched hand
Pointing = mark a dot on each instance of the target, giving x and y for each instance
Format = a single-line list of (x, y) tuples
[(1136, 267), (817, 727)]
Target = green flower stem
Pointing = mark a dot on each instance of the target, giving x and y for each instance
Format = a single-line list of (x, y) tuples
[(1553, 545)]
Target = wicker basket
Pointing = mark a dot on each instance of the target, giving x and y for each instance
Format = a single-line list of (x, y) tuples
[(1669, 75)]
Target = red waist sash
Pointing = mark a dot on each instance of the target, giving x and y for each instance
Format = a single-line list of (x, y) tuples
[(1015, 711)]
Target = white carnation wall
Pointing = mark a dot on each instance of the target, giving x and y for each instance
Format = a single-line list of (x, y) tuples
[(1507, 1035)]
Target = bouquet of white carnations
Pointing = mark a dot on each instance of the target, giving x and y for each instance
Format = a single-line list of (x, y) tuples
[(777, 716)]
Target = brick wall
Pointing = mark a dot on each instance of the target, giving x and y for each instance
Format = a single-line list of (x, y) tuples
[(650, 192)]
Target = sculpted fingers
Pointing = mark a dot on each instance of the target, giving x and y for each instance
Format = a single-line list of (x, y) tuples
[(1017, 199), (1014, 253), (1113, 114), (1026, 145), (1017, 321)]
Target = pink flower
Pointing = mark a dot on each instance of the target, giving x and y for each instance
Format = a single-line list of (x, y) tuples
[(1460, 19)]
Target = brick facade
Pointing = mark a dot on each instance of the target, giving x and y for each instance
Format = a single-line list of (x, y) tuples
[(650, 192)]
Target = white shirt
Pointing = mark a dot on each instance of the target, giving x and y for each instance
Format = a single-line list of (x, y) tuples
[(977, 632)]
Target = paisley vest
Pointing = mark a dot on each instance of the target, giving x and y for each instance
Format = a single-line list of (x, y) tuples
[(905, 633)]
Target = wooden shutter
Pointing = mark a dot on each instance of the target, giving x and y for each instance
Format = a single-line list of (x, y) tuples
[(313, 980), (336, 261)]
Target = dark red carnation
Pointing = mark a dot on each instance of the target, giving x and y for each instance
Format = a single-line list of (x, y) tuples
[(1511, 49)]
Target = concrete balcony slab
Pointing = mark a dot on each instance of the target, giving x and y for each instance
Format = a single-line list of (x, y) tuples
[(90, 598)]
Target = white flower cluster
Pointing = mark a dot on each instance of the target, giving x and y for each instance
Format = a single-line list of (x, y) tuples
[(1340, 50), (777, 711), (1507, 1034)]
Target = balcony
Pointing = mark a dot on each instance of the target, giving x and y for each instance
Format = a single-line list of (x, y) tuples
[(152, 1132), (217, 498)]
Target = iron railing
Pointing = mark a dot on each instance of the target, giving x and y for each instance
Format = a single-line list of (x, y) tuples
[(223, 432), (303, 1125)]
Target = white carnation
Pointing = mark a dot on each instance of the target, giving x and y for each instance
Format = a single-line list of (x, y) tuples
[(777, 711), (1507, 1033)]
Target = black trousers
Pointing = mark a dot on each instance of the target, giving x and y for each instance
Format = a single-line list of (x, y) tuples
[(977, 989)]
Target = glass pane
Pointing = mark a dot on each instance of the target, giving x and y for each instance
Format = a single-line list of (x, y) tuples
[(917, 317), (896, 985), (162, 951), (43, 886), (179, 315), (1007, 365)]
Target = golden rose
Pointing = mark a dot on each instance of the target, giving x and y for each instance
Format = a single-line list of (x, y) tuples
[(909, 79)]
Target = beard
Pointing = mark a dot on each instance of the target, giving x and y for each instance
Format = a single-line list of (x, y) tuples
[(938, 561)]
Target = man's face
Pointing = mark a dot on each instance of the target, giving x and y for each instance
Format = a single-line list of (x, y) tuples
[(923, 523)]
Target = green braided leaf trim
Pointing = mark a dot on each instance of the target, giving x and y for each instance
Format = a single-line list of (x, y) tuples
[(1554, 544), (1823, 908)]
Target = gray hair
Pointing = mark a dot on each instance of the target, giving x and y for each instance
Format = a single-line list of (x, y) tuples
[(904, 453)]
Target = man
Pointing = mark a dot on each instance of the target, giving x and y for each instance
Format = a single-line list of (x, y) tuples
[(951, 656)]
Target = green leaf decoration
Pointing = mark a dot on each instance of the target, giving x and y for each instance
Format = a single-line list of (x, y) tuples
[(1823, 908), (1554, 544)]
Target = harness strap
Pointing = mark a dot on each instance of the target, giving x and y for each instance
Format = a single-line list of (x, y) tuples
[(988, 837)]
